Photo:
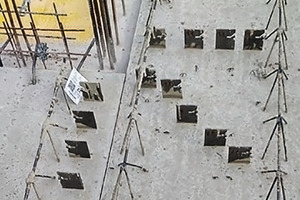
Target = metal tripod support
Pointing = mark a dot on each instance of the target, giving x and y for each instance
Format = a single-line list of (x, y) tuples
[(279, 125), (123, 166), (281, 37), (134, 113), (280, 76), (279, 180), (282, 14), (30, 181), (131, 124)]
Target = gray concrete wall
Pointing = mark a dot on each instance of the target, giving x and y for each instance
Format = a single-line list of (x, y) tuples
[(180, 167)]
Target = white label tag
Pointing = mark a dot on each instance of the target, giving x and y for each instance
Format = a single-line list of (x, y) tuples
[(73, 88)]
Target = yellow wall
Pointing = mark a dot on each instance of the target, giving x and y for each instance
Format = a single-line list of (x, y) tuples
[(77, 11)]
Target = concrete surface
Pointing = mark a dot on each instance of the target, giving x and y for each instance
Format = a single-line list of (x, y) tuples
[(24, 108), (23, 118), (179, 166)]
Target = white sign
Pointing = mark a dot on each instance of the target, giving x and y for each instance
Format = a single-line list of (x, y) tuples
[(73, 88)]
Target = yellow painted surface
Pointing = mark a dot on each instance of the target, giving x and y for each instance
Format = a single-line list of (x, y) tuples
[(77, 11)]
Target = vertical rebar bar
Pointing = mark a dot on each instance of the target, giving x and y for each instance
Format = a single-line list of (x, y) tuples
[(15, 35), (99, 23), (123, 7), (60, 25), (10, 38), (85, 55), (115, 21), (96, 35), (21, 26), (108, 32)]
